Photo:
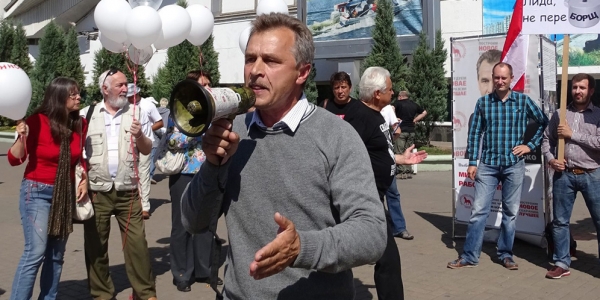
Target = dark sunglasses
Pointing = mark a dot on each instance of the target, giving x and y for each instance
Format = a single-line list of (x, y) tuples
[(111, 72)]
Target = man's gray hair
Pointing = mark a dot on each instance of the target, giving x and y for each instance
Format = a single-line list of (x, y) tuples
[(304, 47), (403, 94), (372, 80), (102, 80)]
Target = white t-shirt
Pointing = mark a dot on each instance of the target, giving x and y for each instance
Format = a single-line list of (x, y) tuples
[(389, 115), (150, 110)]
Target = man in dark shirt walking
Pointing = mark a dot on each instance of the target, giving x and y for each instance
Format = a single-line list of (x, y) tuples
[(375, 93), (410, 113)]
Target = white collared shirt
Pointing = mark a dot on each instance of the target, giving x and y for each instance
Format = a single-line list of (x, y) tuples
[(291, 119)]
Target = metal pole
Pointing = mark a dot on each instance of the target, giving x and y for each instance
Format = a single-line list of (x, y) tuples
[(453, 157)]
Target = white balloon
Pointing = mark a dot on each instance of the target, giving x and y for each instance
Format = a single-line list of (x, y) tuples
[(16, 91), (176, 26), (143, 26), (140, 56), (266, 7), (244, 37), (111, 45), (150, 3), (203, 22), (110, 17)]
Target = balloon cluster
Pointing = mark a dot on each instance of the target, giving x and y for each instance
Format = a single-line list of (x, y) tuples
[(264, 7), (137, 25)]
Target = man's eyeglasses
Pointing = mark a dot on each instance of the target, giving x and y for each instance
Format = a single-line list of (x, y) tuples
[(111, 72)]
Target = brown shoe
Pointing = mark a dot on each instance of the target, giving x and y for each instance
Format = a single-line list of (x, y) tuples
[(557, 273), (145, 215), (510, 264), (460, 263)]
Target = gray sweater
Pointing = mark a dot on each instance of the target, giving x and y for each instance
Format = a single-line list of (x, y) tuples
[(320, 178)]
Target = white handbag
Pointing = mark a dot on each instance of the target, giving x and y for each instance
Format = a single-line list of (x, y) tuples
[(168, 162), (84, 209)]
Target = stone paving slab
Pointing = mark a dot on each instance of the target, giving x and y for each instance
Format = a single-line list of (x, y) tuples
[(426, 201)]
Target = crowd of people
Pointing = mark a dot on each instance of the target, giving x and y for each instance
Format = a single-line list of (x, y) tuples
[(296, 227)]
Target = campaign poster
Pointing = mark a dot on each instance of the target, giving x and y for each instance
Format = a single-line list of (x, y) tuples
[(472, 63), (553, 18), (330, 20), (531, 211)]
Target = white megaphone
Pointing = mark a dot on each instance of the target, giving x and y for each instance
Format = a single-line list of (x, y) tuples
[(583, 13)]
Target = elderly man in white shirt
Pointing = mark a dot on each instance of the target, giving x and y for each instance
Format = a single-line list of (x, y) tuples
[(117, 134)]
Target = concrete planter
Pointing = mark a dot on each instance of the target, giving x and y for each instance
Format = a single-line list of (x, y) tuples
[(435, 163), (7, 137)]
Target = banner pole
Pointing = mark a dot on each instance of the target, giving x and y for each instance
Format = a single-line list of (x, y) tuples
[(453, 198), (563, 94)]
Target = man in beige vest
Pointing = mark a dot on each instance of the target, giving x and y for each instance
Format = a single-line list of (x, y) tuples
[(114, 142)]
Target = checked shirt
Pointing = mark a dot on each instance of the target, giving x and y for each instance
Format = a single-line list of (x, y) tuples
[(502, 125)]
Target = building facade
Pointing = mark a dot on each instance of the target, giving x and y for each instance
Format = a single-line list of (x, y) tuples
[(338, 53)]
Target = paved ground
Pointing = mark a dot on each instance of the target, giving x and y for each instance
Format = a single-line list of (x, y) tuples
[(426, 202)]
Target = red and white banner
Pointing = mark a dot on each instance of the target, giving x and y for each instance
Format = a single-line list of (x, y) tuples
[(531, 213), (516, 47)]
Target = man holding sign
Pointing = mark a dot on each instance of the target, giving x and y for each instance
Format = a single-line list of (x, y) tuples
[(578, 171), (501, 117)]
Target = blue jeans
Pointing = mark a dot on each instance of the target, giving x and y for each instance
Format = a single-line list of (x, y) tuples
[(392, 197), (152, 159), (486, 182), (40, 249), (565, 188)]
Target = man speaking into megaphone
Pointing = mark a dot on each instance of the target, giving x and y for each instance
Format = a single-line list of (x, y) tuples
[(294, 181)]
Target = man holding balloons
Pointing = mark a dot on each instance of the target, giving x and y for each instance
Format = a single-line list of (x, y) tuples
[(116, 137)]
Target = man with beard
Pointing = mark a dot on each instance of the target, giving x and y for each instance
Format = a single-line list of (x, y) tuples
[(115, 140), (578, 171)]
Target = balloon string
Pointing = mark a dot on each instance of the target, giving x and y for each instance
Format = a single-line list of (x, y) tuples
[(132, 66), (201, 60), (24, 142)]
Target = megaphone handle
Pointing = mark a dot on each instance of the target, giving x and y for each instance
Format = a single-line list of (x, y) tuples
[(223, 160)]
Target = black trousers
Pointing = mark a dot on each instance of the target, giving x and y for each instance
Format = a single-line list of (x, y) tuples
[(190, 253), (388, 269)]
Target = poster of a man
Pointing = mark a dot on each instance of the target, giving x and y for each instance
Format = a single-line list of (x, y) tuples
[(485, 63)]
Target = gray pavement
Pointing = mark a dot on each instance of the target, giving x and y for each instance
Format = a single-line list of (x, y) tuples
[(426, 202)]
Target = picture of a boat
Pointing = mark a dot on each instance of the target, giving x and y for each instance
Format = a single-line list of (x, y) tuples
[(352, 11)]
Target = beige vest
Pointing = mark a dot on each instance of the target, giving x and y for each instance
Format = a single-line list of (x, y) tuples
[(97, 153)]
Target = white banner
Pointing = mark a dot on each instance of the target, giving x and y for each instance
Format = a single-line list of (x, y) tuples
[(468, 85), (531, 212), (549, 65), (561, 16)]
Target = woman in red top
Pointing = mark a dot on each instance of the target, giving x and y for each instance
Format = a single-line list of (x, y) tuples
[(51, 141)]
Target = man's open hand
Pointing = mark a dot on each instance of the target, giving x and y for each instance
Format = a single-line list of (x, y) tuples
[(278, 254)]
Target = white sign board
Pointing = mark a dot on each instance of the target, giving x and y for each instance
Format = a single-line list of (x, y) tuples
[(561, 16), (531, 211), (549, 65)]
